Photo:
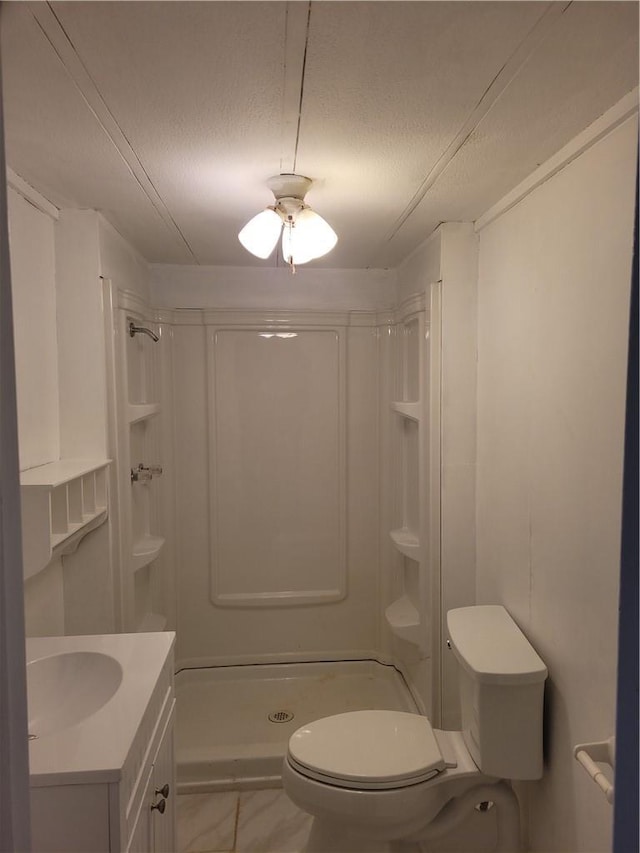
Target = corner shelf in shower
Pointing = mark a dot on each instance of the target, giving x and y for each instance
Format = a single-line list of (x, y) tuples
[(407, 410), (145, 550), (406, 542), (61, 502), (141, 411), (404, 620)]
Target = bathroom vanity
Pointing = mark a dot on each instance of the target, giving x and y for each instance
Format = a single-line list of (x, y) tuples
[(101, 715)]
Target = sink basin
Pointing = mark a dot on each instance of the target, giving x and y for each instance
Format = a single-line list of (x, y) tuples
[(64, 689)]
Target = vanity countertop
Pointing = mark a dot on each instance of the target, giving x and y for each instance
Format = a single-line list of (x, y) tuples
[(96, 748)]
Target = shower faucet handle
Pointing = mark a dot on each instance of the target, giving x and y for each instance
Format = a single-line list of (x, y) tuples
[(144, 473), (140, 474)]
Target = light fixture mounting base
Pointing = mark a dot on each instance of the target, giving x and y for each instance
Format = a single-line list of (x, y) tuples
[(289, 186)]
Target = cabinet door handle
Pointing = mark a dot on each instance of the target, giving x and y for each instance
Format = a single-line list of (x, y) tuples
[(164, 791), (161, 806)]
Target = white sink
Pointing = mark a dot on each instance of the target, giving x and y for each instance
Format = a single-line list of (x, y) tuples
[(64, 689), (88, 697)]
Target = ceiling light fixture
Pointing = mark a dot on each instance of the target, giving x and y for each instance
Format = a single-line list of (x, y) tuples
[(305, 234)]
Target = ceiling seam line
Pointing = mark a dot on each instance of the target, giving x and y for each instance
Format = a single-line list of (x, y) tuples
[(158, 203), (284, 80), (535, 36), (302, 75)]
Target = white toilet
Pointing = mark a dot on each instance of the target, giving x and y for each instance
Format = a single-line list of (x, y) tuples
[(374, 778)]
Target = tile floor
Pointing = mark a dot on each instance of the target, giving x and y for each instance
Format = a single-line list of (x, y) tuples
[(266, 821), (241, 821)]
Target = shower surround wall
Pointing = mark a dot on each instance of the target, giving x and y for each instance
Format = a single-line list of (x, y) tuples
[(282, 423), (276, 447), (340, 339), (444, 268)]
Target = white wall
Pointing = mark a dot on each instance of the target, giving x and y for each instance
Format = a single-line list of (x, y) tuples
[(459, 273), (44, 602), (83, 421), (88, 248), (31, 236), (57, 259), (272, 288), (554, 283), (421, 268), (33, 285), (121, 263)]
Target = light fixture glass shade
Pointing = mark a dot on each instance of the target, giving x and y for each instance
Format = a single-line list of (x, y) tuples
[(260, 235), (293, 250), (309, 237)]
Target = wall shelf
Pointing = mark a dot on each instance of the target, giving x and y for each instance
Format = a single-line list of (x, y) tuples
[(145, 550), (407, 410), (141, 411), (75, 532), (404, 620), (61, 502), (406, 542)]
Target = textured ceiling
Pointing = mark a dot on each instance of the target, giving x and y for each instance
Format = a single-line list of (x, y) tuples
[(169, 116)]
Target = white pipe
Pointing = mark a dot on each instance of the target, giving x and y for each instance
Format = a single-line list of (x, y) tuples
[(458, 809)]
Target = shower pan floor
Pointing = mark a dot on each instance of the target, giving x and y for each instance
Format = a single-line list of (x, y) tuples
[(224, 737)]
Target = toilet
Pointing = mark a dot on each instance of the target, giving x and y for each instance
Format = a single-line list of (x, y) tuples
[(376, 779)]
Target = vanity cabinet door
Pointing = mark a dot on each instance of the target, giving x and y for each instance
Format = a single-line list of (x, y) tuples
[(155, 825), (164, 823), (141, 839)]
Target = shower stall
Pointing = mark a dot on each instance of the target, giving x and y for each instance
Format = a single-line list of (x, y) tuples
[(276, 479)]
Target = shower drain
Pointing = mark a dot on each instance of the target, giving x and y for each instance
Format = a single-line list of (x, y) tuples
[(280, 716)]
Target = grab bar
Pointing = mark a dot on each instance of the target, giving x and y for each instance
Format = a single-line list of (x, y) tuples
[(602, 751)]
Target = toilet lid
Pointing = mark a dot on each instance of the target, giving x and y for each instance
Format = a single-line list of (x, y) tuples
[(367, 749)]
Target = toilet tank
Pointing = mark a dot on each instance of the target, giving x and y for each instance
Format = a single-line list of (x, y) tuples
[(501, 682)]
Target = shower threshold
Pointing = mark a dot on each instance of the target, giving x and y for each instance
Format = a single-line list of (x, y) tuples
[(234, 722)]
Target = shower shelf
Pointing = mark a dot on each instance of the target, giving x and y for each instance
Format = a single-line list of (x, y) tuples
[(61, 502), (145, 550), (141, 411), (403, 619), (407, 410), (406, 542)]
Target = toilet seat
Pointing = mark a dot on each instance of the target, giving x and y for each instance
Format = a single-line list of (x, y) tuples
[(372, 750)]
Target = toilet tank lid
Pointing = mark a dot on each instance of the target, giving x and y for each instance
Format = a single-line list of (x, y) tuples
[(490, 646)]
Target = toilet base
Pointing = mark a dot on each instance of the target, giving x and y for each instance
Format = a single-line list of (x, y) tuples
[(332, 837)]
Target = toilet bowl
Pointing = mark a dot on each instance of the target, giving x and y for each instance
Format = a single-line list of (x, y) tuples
[(411, 772), (372, 778)]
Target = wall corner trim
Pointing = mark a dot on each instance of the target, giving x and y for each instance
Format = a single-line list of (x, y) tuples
[(29, 194), (609, 121)]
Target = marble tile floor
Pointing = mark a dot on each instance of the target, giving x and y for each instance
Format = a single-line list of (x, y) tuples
[(266, 821), (263, 821)]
